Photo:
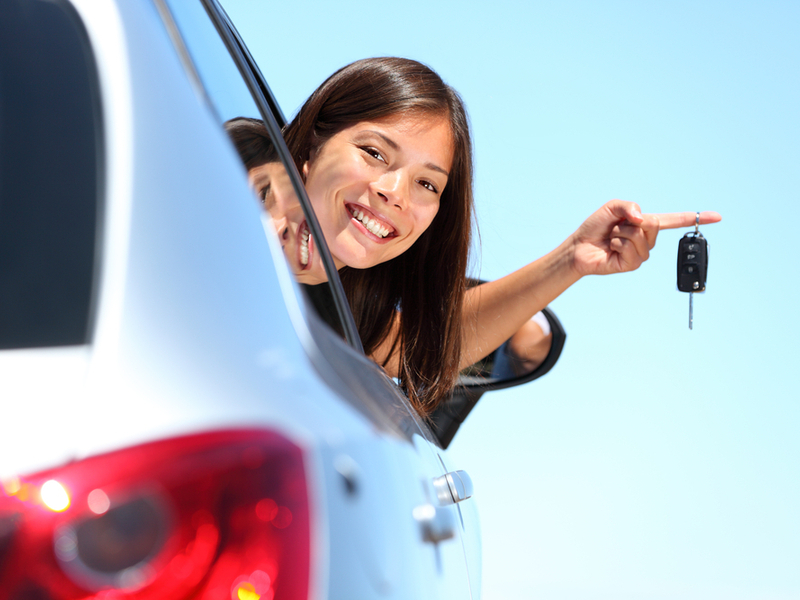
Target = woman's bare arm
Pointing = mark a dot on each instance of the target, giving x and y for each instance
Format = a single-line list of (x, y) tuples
[(615, 239)]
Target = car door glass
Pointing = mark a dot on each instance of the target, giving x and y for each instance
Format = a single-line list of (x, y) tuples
[(224, 88)]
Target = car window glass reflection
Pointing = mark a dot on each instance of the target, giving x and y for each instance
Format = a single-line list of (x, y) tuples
[(272, 184)]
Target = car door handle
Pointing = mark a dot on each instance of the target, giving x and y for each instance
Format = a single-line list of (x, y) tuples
[(437, 523), (453, 487)]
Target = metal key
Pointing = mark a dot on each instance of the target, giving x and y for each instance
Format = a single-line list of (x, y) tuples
[(692, 264)]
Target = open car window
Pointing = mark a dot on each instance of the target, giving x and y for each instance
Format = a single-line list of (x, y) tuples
[(246, 109)]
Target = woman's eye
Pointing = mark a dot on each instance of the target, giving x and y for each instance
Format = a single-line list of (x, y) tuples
[(428, 186), (264, 192), (374, 153)]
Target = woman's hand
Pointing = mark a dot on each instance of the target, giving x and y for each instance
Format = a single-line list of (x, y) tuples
[(618, 237)]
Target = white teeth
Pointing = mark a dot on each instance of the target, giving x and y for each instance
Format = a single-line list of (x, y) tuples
[(304, 248), (371, 225)]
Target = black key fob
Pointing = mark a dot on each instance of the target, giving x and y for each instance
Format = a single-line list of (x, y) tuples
[(692, 262)]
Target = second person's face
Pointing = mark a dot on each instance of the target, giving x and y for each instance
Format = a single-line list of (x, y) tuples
[(376, 186)]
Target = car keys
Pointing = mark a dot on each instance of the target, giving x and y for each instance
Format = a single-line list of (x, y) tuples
[(692, 264)]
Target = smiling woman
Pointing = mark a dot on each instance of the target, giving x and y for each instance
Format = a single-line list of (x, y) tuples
[(385, 146)]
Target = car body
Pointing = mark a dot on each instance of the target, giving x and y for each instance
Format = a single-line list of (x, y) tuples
[(177, 421)]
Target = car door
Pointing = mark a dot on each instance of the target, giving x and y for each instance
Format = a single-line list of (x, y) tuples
[(230, 82)]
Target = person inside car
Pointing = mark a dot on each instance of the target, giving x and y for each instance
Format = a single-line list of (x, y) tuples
[(385, 151)]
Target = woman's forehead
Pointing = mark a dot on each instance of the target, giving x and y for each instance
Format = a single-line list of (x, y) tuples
[(428, 133), (413, 120)]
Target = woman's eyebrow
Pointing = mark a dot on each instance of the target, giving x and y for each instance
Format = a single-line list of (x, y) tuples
[(393, 145), (434, 167)]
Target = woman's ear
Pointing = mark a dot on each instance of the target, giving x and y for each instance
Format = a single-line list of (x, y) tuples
[(305, 171)]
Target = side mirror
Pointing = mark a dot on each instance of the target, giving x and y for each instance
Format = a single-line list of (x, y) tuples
[(515, 362)]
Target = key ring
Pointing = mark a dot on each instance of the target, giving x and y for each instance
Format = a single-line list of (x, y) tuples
[(697, 224)]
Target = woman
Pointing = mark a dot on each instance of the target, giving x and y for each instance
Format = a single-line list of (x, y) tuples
[(385, 151), (384, 144)]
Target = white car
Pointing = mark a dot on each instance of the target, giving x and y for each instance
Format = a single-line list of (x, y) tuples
[(176, 421)]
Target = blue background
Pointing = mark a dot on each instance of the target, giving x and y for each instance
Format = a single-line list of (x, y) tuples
[(653, 462)]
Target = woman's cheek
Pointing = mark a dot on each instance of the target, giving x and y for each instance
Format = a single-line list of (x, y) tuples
[(429, 214)]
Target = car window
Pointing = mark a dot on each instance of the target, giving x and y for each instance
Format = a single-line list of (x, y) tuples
[(254, 130), (50, 175)]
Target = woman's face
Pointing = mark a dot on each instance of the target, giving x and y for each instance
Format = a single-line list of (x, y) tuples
[(273, 185), (376, 186)]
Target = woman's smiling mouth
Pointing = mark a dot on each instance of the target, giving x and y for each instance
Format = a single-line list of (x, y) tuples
[(303, 247), (371, 223)]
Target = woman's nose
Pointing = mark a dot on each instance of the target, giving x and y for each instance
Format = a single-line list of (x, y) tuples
[(392, 189), (281, 224)]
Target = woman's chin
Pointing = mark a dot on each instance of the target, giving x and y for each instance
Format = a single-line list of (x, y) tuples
[(311, 277), (358, 256)]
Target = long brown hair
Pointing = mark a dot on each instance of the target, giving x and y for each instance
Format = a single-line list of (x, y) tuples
[(425, 285)]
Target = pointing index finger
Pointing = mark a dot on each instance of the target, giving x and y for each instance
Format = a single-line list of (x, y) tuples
[(686, 219)]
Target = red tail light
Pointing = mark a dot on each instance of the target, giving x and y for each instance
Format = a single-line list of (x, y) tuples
[(221, 515)]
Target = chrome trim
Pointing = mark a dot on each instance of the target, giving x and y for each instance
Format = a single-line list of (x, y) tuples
[(453, 487)]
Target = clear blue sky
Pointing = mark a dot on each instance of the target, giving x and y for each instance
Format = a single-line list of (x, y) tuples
[(653, 462)]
